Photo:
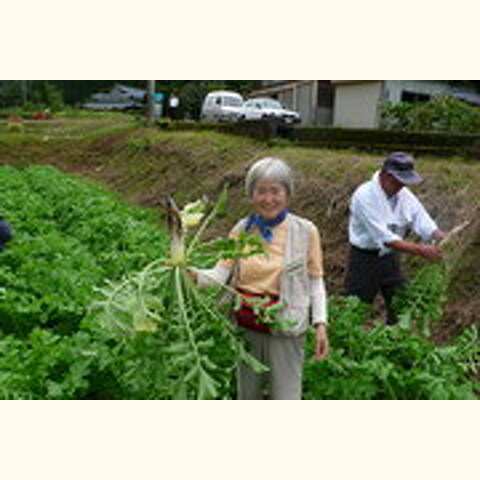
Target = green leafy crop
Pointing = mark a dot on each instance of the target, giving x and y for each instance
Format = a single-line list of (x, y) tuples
[(163, 300), (153, 335), (389, 362)]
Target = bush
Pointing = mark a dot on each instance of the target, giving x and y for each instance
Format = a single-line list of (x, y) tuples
[(15, 126), (441, 114)]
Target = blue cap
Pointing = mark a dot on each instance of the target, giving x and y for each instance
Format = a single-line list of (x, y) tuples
[(401, 166)]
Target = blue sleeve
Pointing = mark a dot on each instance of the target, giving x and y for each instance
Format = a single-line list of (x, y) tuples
[(5, 233)]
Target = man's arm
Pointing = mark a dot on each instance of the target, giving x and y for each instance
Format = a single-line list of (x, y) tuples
[(429, 252)]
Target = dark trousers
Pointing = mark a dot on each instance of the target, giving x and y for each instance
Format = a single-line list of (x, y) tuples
[(369, 274)]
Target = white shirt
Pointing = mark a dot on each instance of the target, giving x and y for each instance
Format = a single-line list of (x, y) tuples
[(376, 219)]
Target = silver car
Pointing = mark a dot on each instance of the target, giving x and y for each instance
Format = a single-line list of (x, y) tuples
[(264, 108)]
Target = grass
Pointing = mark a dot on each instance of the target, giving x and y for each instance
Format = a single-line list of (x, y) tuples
[(55, 130)]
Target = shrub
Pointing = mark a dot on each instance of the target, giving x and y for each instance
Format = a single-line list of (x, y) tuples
[(441, 114), (15, 124)]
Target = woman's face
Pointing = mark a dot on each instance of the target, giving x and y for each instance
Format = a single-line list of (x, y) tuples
[(269, 198)]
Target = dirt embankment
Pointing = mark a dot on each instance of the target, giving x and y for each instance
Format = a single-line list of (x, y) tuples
[(144, 165)]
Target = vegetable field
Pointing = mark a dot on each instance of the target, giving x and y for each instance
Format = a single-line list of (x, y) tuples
[(74, 242), (68, 237)]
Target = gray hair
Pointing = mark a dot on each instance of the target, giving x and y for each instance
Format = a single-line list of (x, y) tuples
[(269, 168)]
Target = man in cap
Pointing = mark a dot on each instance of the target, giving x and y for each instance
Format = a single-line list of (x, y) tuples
[(382, 212)]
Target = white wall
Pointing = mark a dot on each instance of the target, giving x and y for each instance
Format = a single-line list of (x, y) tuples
[(304, 103), (356, 104)]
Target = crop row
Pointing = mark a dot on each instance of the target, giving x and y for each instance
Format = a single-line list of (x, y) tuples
[(71, 236)]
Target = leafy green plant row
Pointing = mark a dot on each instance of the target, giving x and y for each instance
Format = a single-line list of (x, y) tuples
[(68, 236), (365, 363), (385, 362)]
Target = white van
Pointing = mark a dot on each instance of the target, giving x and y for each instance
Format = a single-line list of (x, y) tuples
[(222, 106)]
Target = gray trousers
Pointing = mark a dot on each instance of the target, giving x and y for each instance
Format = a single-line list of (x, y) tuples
[(283, 356)]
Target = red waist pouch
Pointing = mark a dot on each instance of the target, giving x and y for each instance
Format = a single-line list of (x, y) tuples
[(245, 316)]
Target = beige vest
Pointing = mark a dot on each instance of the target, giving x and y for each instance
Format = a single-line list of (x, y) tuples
[(295, 281)]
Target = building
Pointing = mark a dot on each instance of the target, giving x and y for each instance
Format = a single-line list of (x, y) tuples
[(312, 99), (353, 103), (358, 103), (122, 97)]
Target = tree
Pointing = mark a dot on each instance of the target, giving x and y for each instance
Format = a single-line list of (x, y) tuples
[(46, 95), (10, 93), (31, 94), (76, 92)]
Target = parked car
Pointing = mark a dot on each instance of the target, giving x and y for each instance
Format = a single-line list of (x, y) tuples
[(222, 106), (258, 108)]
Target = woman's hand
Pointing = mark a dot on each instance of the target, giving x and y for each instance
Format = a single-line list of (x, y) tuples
[(321, 341), (193, 275)]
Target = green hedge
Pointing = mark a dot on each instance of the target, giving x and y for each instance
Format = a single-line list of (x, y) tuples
[(258, 129), (361, 139), (386, 140)]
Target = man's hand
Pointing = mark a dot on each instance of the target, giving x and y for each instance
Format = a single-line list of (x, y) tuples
[(439, 235), (429, 252), (321, 341)]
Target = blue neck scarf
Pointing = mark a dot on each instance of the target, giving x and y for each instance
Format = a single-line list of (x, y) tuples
[(265, 226)]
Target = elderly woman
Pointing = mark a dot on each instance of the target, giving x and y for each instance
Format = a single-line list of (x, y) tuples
[(290, 272)]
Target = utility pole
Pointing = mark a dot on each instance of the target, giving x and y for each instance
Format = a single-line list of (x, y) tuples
[(24, 89), (150, 102)]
